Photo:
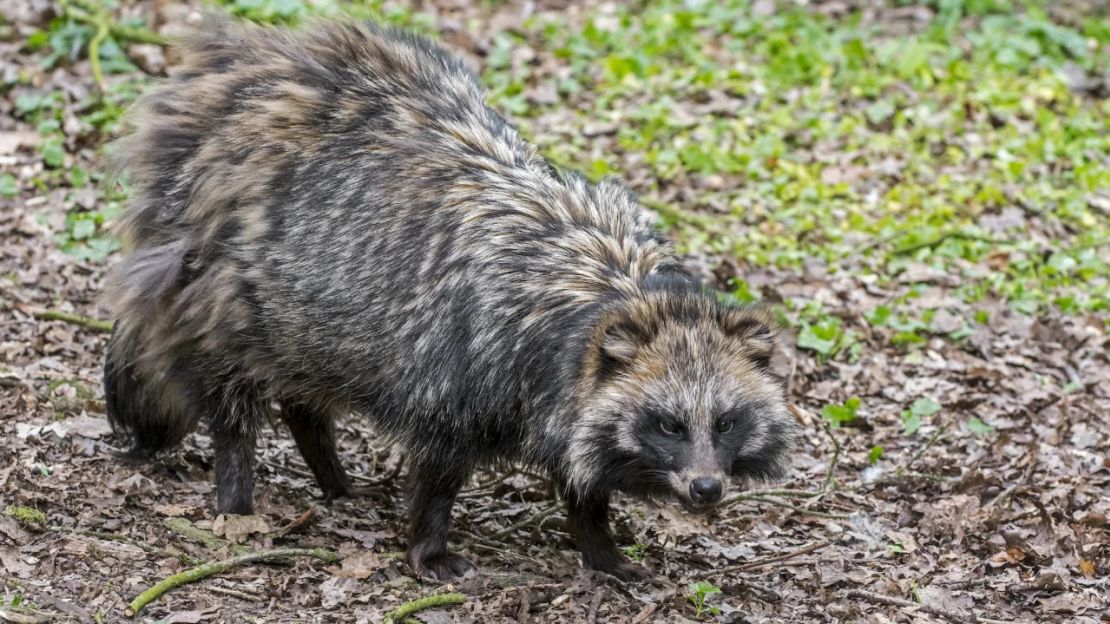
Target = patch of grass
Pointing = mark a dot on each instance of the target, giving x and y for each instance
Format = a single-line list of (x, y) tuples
[(831, 134), (83, 234), (290, 12), (810, 141)]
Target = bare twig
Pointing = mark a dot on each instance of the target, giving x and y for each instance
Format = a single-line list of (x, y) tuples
[(299, 522), (595, 604), (234, 593), (193, 533), (397, 469), (908, 249), (102, 30), (84, 321), (218, 567), (892, 601), (36, 521), (477, 542), (787, 493), (531, 520), (400, 614), (89, 12), (761, 495), (758, 563), (24, 615), (803, 416), (830, 481), (928, 445), (644, 614), (802, 510), (123, 539)]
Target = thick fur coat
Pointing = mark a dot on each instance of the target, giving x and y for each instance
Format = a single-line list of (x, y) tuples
[(333, 220)]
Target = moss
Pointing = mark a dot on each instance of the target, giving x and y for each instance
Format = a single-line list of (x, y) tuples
[(27, 516)]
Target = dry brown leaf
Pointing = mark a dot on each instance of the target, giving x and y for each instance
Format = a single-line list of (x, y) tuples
[(360, 565), (237, 528)]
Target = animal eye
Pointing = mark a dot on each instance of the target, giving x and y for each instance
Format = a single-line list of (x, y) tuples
[(725, 426), (668, 427)]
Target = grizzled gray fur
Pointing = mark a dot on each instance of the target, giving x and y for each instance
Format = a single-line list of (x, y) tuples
[(334, 221)]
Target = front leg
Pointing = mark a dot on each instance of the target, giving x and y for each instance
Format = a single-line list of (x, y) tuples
[(588, 516), (234, 444), (435, 485)]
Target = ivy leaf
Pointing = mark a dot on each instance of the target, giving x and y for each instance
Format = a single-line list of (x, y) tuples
[(979, 427), (838, 415), (8, 185)]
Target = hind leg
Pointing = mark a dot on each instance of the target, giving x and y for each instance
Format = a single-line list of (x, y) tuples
[(314, 432)]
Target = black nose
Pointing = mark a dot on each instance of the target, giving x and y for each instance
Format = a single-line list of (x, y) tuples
[(705, 491)]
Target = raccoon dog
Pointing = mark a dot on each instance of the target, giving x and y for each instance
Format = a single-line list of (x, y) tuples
[(332, 220)]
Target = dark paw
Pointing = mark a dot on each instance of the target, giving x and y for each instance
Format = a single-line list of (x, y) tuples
[(446, 567), (624, 570), (374, 493)]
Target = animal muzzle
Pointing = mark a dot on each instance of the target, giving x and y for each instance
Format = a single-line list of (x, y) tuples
[(706, 491), (698, 491)]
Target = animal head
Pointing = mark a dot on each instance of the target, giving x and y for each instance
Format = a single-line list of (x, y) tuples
[(678, 396)]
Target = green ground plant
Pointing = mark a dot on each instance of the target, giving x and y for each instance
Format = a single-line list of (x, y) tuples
[(815, 143)]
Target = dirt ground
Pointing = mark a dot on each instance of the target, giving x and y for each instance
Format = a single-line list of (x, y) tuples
[(947, 525)]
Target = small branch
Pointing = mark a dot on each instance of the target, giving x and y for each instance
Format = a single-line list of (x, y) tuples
[(909, 249), (91, 13), (24, 615), (803, 416), (891, 601), (123, 539), (102, 30), (830, 481), (298, 523), (787, 493), (96, 325), (761, 495), (211, 569), (928, 445), (595, 604), (193, 533), (758, 563), (428, 602), (536, 519), (801, 510), (234, 593)]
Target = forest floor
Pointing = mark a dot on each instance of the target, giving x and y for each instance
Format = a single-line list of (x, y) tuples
[(922, 191)]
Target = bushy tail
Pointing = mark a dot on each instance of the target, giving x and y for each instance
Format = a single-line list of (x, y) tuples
[(176, 295)]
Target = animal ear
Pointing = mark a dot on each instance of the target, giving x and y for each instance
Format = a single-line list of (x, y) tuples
[(763, 339), (619, 343), (756, 330)]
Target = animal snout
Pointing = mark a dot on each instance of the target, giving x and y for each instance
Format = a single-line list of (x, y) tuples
[(705, 491)]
